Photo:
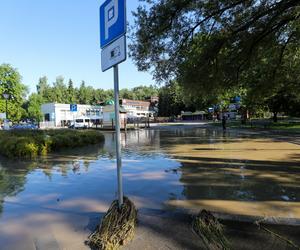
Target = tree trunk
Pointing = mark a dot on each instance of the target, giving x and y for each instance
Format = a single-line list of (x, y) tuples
[(275, 118)]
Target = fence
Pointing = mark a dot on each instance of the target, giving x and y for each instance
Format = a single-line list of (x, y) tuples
[(46, 125)]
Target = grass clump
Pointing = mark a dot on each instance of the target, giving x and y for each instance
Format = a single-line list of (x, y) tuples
[(210, 230), (117, 227), (32, 143)]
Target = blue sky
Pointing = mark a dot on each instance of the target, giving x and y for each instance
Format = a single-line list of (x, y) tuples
[(60, 37)]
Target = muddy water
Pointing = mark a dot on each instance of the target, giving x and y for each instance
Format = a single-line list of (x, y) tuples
[(57, 201)]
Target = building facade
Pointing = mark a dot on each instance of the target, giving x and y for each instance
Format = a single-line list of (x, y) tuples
[(137, 109), (60, 115), (109, 117)]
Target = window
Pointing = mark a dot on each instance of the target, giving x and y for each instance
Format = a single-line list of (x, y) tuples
[(47, 117)]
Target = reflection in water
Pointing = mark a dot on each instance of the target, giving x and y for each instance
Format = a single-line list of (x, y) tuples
[(13, 174), (11, 182), (63, 193)]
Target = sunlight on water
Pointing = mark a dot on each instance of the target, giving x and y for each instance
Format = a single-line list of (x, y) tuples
[(63, 195)]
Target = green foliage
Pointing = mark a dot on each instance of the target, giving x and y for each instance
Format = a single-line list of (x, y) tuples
[(10, 82), (71, 92), (215, 49), (171, 100), (60, 90), (144, 93), (61, 93), (166, 30), (34, 107), (30, 144)]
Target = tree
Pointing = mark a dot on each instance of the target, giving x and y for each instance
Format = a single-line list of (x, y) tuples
[(60, 90), (34, 107), (47, 92), (101, 95), (82, 93), (127, 94), (109, 95), (71, 92), (10, 82), (171, 100), (42, 86), (144, 92), (166, 29), (214, 48)]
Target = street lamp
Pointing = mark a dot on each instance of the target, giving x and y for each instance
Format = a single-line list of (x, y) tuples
[(6, 97)]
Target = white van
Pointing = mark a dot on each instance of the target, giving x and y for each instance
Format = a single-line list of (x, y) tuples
[(83, 122)]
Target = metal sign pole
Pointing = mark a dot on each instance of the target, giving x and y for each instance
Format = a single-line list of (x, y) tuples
[(118, 135)]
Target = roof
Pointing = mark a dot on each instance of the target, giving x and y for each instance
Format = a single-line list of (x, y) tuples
[(135, 102)]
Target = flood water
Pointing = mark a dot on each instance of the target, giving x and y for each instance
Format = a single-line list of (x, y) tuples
[(59, 199)]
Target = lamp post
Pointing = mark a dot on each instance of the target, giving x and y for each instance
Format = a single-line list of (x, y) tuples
[(6, 96)]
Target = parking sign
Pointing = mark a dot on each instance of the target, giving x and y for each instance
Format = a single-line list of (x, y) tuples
[(112, 21), (73, 107)]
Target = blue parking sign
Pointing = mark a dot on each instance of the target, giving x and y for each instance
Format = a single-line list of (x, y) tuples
[(112, 21), (73, 107)]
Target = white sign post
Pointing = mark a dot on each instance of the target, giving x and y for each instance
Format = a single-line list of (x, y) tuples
[(113, 45)]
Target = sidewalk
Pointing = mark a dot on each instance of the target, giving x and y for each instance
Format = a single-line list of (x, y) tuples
[(171, 230)]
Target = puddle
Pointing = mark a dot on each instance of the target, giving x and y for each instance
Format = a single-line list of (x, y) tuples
[(63, 195)]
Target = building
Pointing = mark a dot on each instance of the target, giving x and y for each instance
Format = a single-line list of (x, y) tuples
[(137, 109), (109, 117), (60, 115)]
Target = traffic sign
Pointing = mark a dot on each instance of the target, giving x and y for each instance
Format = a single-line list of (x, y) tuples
[(113, 54), (73, 107), (112, 21)]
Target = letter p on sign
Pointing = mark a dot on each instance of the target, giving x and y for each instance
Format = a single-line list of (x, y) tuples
[(111, 15), (112, 21)]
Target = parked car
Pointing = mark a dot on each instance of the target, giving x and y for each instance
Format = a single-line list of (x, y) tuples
[(25, 126)]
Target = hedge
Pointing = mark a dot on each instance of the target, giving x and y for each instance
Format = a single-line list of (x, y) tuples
[(32, 143)]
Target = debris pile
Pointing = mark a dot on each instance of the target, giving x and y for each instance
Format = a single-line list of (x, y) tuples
[(210, 230), (117, 227)]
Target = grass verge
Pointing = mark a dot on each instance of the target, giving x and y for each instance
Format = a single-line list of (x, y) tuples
[(285, 126)]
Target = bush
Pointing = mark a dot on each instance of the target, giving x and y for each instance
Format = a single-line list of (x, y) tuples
[(30, 144)]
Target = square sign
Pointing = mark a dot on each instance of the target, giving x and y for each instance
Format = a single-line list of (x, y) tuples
[(73, 107), (113, 54), (112, 21)]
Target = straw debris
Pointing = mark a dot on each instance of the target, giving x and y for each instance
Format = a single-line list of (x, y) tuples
[(210, 230), (117, 227), (280, 237)]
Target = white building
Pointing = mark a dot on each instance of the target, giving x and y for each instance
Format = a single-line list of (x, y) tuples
[(137, 109), (60, 115)]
